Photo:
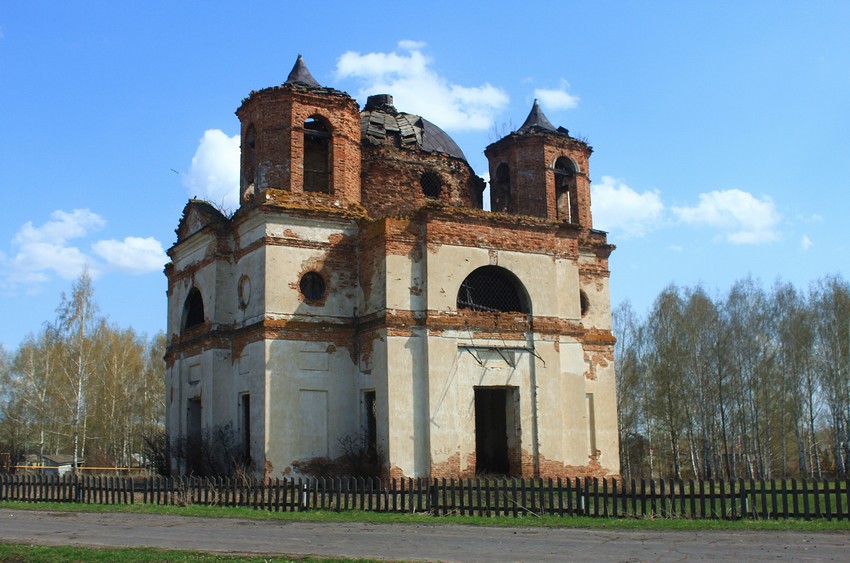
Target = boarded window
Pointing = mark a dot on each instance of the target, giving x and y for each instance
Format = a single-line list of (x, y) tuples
[(591, 423), (313, 438)]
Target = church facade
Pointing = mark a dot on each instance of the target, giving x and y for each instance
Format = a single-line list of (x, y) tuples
[(361, 304)]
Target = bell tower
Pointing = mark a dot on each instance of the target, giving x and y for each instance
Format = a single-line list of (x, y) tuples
[(300, 137), (540, 170)]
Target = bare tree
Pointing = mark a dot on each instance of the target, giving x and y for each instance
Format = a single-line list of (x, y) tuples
[(830, 296), (76, 323)]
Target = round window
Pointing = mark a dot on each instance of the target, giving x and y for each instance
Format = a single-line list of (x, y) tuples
[(312, 286)]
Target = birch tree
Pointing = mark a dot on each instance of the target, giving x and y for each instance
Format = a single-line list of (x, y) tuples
[(76, 324)]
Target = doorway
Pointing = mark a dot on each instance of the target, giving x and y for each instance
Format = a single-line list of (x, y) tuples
[(495, 429)]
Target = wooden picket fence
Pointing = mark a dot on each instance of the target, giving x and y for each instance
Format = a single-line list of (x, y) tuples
[(727, 500)]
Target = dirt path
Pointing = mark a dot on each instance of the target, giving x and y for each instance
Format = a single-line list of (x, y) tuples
[(410, 541)]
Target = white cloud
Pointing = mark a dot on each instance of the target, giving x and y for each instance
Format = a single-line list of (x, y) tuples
[(34, 261), (62, 227), (42, 253), (806, 243), (557, 99), (743, 218), (410, 45), (617, 207), (417, 88), (134, 255), (214, 173)]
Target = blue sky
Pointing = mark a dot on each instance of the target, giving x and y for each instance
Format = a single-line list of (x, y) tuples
[(720, 129)]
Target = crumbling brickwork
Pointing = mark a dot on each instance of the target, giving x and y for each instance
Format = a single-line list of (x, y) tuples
[(362, 294)]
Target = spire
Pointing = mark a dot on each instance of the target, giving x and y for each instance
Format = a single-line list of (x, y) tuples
[(536, 119), (301, 74)]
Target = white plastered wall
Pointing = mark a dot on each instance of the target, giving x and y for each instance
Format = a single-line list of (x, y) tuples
[(300, 377)]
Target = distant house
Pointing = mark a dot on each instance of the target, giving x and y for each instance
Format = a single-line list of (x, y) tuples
[(59, 464)]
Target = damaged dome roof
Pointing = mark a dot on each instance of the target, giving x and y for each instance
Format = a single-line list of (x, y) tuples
[(379, 120)]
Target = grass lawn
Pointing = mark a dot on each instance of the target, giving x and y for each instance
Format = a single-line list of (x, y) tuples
[(502, 521), (16, 553)]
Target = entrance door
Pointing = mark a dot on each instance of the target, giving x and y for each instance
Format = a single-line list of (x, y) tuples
[(491, 430)]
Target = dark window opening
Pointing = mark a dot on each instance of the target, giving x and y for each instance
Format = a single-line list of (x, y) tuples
[(584, 302), (312, 286), (565, 190), (432, 185), (193, 422), (317, 151), (194, 446), (371, 424), (491, 431), (248, 157), (193, 310), (491, 289), (245, 407), (500, 190)]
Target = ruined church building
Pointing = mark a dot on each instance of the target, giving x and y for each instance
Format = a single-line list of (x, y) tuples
[(360, 294)]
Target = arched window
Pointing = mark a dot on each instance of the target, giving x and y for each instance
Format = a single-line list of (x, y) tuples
[(565, 190), (193, 309), (493, 289), (431, 184), (317, 155), (500, 190), (250, 145), (248, 155)]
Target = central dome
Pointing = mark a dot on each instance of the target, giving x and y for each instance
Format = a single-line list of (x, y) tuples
[(380, 121)]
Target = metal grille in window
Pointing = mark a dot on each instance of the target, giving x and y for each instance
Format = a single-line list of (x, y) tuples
[(490, 289), (432, 185)]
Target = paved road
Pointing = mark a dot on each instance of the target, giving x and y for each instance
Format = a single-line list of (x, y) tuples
[(412, 541)]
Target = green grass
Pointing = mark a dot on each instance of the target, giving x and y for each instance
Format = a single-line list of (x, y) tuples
[(18, 553), (501, 521)]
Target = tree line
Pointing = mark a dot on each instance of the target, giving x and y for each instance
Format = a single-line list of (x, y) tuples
[(754, 383), (751, 384), (82, 387)]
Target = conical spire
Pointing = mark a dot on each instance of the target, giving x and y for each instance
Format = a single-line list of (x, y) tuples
[(536, 119), (301, 74)]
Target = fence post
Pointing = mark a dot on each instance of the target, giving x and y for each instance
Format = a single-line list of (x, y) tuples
[(433, 499)]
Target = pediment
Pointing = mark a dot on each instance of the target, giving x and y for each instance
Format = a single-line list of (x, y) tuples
[(196, 215)]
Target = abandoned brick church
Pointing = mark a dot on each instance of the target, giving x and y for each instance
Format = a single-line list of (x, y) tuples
[(361, 294)]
